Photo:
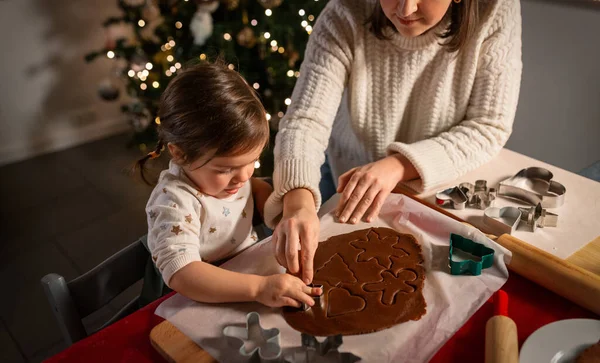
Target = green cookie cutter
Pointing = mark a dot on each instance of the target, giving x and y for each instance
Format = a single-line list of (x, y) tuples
[(476, 249)]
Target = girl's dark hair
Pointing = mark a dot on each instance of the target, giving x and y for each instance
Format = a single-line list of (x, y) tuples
[(464, 21), (208, 108)]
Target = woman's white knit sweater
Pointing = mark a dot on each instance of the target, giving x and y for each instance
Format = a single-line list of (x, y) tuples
[(361, 98)]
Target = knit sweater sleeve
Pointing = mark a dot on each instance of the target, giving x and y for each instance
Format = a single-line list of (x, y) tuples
[(304, 131), (490, 114)]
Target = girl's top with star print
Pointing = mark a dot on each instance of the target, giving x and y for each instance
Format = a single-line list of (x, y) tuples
[(185, 225)]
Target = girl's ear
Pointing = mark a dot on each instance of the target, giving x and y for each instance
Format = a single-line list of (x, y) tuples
[(176, 153)]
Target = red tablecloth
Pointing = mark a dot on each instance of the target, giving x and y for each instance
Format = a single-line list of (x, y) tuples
[(530, 306)]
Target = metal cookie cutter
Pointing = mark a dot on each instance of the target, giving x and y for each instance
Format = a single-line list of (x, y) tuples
[(253, 341), (458, 242), (534, 185), (454, 196), (315, 351), (317, 299), (478, 195), (502, 220), (538, 217)]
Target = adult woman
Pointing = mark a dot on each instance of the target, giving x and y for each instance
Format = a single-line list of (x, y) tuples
[(420, 92)]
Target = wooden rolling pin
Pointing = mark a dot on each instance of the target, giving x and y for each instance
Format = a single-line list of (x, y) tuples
[(564, 278), (501, 340)]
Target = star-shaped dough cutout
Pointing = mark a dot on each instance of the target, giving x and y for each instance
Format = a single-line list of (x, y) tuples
[(152, 214), (244, 214), (212, 230), (188, 218)]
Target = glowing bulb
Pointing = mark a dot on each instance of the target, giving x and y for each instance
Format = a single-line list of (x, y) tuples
[(231, 66), (143, 86), (143, 78), (281, 50), (297, 74), (173, 69), (311, 17), (273, 43), (301, 12), (131, 73), (155, 84), (268, 116), (280, 114), (256, 85), (170, 58), (148, 65), (178, 25), (172, 43), (268, 12), (162, 47), (110, 54), (254, 22), (267, 35), (145, 73), (256, 164), (177, 65), (290, 73), (140, 74), (304, 23), (167, 46), (288, 101), (227, 36), (168, 73), (274, 49), (202, 56), (308, 28), (157, 120), (141, 23)]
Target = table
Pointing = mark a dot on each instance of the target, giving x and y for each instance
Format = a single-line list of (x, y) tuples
[(531, 306)]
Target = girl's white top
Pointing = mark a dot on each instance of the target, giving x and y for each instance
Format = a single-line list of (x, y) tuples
[(185, 225)]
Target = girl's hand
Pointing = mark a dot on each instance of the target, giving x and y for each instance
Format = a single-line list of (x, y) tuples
[(365, 188), (298, 229), (285, 290)]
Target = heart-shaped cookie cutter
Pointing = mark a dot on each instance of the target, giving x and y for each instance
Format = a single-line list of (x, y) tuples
[(486, 254), (270, 351), (454, 196), (534, 185), (502, 220), (538, 217)]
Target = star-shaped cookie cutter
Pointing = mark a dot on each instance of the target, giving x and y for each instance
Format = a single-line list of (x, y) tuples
[(454, 196), (458, 242), (538, 217), (265, 342), (478, 195), (327, 351), (534, 185)]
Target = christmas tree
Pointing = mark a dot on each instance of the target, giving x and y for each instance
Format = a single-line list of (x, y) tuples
[(263, 39)]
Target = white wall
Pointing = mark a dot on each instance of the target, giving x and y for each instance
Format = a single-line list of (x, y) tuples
[(48, 94), (558, 117)]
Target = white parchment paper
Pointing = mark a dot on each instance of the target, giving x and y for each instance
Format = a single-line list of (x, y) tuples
[(451, 300)]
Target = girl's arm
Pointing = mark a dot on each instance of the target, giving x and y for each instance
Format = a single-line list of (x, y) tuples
[(203, 282), (261, 190)]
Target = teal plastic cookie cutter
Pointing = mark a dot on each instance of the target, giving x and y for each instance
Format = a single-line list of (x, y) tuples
[(476, 249)]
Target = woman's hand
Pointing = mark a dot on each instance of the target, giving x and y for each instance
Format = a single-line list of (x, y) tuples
[(285, 290), (298, 229), (365, 188)]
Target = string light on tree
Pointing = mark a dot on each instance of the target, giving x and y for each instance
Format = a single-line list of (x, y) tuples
[(149, 65), (110, 54), (267, 35), (254, 22), (177, 65), (155, 84), (256, 85), (178, 25), (268, 12), (170, 58), (143, 86), (301, 12), (288, 101), (131, 73), (141, 23)]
